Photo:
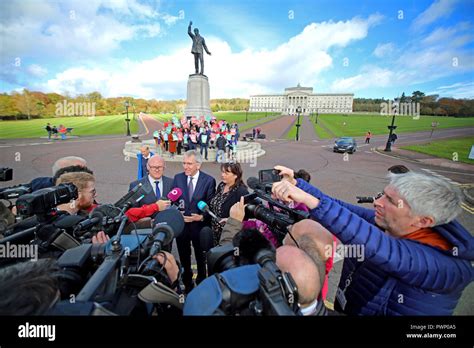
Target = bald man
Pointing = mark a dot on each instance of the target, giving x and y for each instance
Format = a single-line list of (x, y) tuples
[(314, 240), (306, 276), (68, 161), (155, 183)]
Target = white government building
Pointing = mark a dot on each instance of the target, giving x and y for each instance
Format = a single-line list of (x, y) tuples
[(323, 103)]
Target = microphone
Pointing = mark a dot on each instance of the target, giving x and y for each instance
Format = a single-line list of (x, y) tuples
[(206, 239), (133, 196), (202, 206), (103, 215), (168, 224), (174, 195), (253, 246)]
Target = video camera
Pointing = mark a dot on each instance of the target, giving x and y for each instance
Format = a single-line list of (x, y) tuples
[(246, 281), (261, 206), (6, 174), (127, 272)]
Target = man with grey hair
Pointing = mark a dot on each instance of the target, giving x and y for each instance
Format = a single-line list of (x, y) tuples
[(68, 161), (196, 186), (416, 257)]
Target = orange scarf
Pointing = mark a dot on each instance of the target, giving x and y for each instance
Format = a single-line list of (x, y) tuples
[(430, 237)]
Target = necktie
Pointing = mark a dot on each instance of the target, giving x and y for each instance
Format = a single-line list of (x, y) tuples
[(158, 193), (190, 188)]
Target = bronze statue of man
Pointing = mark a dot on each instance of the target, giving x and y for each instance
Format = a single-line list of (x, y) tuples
[(197, 49)]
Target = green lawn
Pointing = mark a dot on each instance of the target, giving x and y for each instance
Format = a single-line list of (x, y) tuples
[(229, 116), (358, 125), (251, 124), (98, 125), (447, 149)]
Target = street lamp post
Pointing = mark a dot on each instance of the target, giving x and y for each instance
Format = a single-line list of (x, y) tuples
[(246, 114), (298, 110), (127, 104), (388, 146)]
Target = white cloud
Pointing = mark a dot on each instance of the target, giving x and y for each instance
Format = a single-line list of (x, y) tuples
[(370, 76), (441, 53), (231, 74), (456, 90), (53, 28), (37, 70), (438, 9), (383, 50)]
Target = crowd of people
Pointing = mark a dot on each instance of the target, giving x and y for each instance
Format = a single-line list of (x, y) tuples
[(54, 131), (416, 258), (205, 133)]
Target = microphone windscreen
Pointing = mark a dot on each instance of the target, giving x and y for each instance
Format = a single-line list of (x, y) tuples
[(250, 242), (253, 182), (206, 238), (202, 205), (175, 194), (172, 218)]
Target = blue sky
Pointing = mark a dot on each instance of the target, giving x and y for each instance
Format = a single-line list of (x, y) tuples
[(140, 48)]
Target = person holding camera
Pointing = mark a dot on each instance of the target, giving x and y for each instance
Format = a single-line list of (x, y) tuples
[(416, 258), (85, 184), (228, 192)]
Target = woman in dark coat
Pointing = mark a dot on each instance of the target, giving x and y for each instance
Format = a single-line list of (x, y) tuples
[(228, 192)]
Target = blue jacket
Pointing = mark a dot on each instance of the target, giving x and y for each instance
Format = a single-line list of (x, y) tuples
[(397, 276), (140, 173)]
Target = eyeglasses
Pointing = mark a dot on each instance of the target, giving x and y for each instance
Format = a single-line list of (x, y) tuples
[(156, 167), (378, 195)]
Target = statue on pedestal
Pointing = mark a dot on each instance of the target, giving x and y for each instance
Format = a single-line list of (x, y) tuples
[(198, 45)]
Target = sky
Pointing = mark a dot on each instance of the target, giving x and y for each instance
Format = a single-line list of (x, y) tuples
[(140, 48)]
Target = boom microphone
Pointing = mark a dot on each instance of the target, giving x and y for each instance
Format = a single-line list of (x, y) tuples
[(202, 206)]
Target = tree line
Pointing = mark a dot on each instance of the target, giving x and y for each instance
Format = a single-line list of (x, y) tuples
[(429, 104), (30, 104)]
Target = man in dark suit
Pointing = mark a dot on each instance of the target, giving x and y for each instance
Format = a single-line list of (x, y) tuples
[(196, 186), (155, 183)]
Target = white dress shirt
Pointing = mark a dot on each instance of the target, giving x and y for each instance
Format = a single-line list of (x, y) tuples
[(152, 182)]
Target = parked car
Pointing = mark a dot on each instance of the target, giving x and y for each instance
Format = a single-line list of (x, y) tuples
[(345, 144)]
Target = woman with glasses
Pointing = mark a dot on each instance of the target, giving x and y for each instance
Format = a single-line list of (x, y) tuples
[(227, 194)]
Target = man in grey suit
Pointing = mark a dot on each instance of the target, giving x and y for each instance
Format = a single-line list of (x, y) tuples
[(198, 44), (155, 183)]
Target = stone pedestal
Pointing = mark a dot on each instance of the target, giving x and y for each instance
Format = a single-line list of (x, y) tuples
[(197, 102)]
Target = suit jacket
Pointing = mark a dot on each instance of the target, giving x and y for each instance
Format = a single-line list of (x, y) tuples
[(204, 191), (150, 196)]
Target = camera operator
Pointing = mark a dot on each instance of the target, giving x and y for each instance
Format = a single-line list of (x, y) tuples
[(290, 259), (416, 257), (68, 161), (85, 184)]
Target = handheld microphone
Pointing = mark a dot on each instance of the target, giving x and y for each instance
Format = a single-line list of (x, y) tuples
[(202, 206), (174, 195), (168, 225)]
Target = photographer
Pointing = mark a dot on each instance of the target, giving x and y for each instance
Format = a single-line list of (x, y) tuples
[(416, 257), (85, 184), (290, 259)]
